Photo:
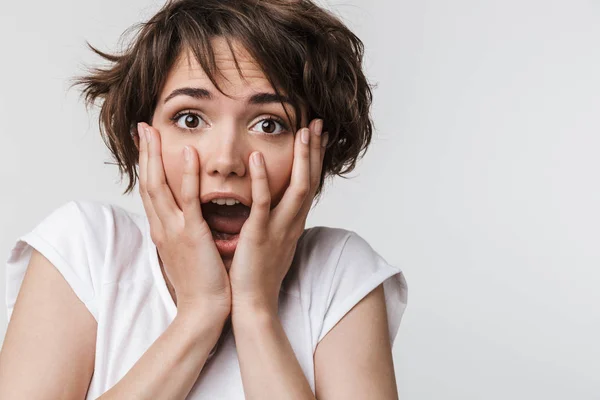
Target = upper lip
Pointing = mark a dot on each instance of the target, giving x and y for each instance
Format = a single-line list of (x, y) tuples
[(224, 195)]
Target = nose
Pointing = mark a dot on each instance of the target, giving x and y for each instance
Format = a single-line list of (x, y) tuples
[(224, 155)]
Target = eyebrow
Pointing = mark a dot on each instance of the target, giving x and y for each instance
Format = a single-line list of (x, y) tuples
[(203, 94)]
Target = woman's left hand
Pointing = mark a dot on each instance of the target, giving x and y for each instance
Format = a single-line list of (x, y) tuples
[(268, 238)]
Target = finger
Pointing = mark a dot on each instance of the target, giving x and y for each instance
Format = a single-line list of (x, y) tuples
[(158, 190), (143, 164), (316, 162), (261, 196), (299, 187), (324, 140), (316, 153), (190, 188)]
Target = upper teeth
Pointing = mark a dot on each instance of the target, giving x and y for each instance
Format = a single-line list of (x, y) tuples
[(221, 202)]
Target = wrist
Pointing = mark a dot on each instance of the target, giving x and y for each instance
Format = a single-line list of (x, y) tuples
[(202, 321), (252, 303), (213, 308), (253, 312)]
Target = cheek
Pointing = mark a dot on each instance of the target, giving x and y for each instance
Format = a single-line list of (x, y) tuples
[(279, 170), (173, 167)]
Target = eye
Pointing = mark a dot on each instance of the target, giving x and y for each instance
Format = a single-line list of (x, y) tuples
[(190, 120), (269, 125)]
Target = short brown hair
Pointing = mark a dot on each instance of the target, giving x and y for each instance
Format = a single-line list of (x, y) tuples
[(304, 50)]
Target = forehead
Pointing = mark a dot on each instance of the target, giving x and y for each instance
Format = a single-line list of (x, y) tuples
[(186, 71)]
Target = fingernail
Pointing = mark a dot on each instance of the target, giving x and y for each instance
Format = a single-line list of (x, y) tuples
[(148, 135), (318, 127), (325, 139), (257, 158), (186, 153), (304, 135)]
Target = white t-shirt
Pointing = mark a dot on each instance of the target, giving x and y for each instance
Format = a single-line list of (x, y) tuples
[(107, 256)]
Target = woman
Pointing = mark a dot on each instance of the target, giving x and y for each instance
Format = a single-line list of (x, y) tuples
[(234, 113)]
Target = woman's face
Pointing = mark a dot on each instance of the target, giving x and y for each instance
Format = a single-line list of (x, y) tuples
[(224, 131)]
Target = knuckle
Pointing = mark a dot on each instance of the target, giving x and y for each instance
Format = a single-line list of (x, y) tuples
[(302, 191), (150, 187), (154, 189), (179, 227), (157, 237), (187, 197), (261, 173), (314, 183), (306, 150), (188, 172), (263, 201), (151, 193)]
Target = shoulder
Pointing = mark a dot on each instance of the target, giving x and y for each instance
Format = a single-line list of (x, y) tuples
[(102, 238), (325, 251), (80, 214), (96, 213), (64, 237), (119, 238), (336, 268), (328, 243), (323, 241), (97, 223), (316, 256), (89, 242), (106, 218), (71, 222)]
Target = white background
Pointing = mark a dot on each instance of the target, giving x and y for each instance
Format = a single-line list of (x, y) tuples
[(482, 182)]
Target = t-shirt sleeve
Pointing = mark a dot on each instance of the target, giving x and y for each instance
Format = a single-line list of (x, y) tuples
[(358, 271), (62, 237)]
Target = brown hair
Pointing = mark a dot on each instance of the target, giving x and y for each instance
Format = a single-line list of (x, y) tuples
[(304, 50)]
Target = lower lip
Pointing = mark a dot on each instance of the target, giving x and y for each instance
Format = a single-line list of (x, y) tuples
[(226, 246)]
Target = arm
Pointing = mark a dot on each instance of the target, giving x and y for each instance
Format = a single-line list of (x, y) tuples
[(48, 350), (261, 340), (169, 368), (353, 361)]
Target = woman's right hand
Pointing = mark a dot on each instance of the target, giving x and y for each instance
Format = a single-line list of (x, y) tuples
[(183, 238)]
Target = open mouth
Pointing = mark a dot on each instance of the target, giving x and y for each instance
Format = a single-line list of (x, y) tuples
[(225, 223)]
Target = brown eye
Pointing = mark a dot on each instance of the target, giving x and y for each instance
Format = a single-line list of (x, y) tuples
[(187, 120), (191, 121), (269, 126)]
